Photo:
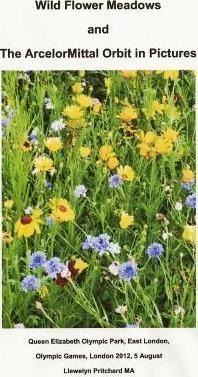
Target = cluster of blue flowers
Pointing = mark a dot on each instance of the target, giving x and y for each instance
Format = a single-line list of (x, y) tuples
[(51, 267), (101, 244)]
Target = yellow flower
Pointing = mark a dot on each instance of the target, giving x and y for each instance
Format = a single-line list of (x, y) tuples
[(85, 151), (128, 74), (6, 237), (97, 107), (9, 204), (171, 111), (84, 101), (173, 75), (76, 123), (80, 265), (188, 175), (77, 88), (126, 173), (61, 210), (105, 152), (149, 137), (153, 109), (163, 146), (126, 220), (113, 163), (189, 234), (54, 144), (43, 292), (147, 151), (73, 112), (128, 113), (27, 225), (82, 74), (43, 163), (108, 84), (171, 135)]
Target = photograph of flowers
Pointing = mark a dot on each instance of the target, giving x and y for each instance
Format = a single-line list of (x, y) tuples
[(98, 199)]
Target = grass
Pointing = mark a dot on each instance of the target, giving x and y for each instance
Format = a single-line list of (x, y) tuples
[(162, 284)]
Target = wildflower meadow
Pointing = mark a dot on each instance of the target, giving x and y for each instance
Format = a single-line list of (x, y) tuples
[(98, 199)]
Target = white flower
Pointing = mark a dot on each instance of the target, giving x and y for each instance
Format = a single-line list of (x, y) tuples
[(58, 125), (65, 273), (19, 326), (28, 210), (178, 206), (179, 311), (166, 235), (114, 248), (113, 268), (121, 309), (48, 104)]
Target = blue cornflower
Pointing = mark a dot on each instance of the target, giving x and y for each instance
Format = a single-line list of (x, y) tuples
[(191, 201), (187, 186), (34, 136), (37, 259), (48, 185), (5, 122), (101, 243), (30, 283), (53, 267), (115, 181), (49, 221), (80, 191), (58, 125), (128, 270), (155, 250), (88, 242)]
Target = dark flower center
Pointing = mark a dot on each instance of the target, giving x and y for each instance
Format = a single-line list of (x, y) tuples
[(26, 144), (62, 208), (26, 219)]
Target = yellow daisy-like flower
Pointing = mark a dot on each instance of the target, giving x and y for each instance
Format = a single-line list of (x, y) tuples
[(97, 107), (187, 175), (126, 220), (54, 144), (76, 123), (73, 112), (105, 152), (108, 84), (27, 225), (43, 163), (173, 75), (128, 113), (189, 234), (84, 101), (147, 151), (154, 109), (77, 88), (128, 74), (9, 204), (163, 146), (113, 163), (80, 265), (6, 237), (61, 210), (84, 152), (43, 292), (171, 135), (126, 173)]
